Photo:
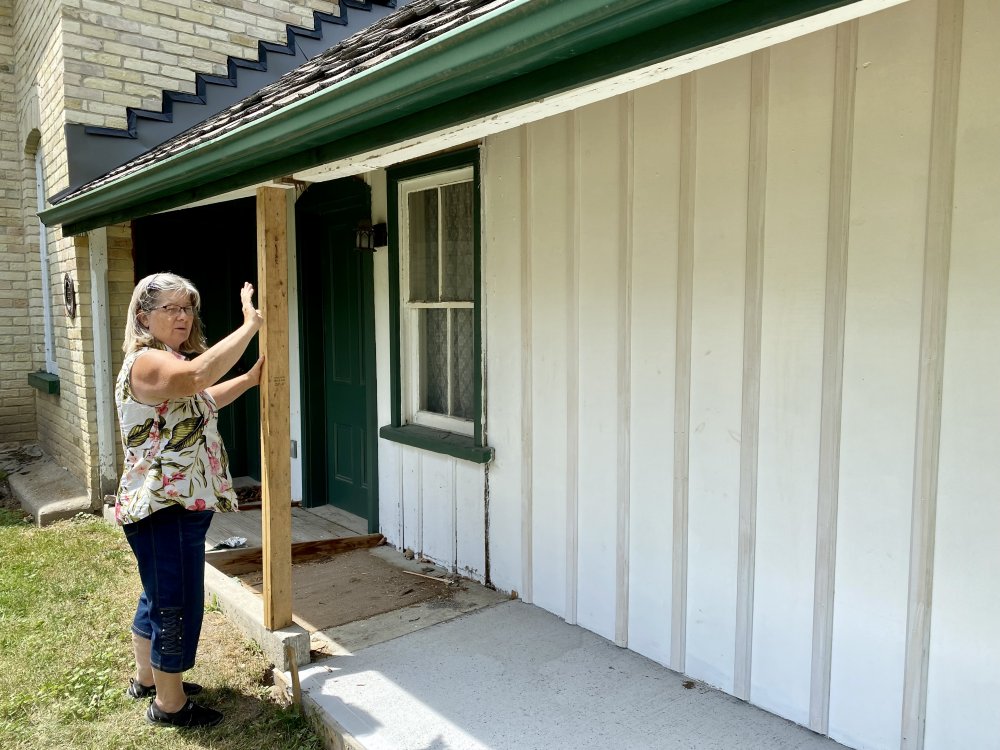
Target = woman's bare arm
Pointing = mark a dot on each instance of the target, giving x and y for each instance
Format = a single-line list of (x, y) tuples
[(227, 391), (158, 376)]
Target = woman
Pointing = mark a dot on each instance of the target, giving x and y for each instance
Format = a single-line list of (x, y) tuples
[(176, 475)]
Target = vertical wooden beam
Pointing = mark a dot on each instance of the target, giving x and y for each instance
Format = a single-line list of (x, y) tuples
[(275, 233)]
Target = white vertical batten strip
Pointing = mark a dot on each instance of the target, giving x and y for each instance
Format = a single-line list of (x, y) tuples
[(103, 380), (838, 237), (420, 504), (937, 261), (527, 500), (454, 515), (682, 375), (398, 448), (626, 233), (760, 63), (573, 371)]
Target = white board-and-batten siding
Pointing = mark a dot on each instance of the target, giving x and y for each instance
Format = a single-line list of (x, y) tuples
[(740, 365)]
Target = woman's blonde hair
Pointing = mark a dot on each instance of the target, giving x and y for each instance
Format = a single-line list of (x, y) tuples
[(145, 297)]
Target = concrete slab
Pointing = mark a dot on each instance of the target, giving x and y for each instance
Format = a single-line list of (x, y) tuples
[(514, 676), (48, 492), (246, 611)]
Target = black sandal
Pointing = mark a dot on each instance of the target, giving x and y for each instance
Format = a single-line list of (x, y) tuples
[(138, 692), (191, 716)]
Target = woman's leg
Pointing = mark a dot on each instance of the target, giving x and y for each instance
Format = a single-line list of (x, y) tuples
[(143, 669), (169, 546)]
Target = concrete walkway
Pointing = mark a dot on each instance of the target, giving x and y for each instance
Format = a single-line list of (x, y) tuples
[(514, 676)]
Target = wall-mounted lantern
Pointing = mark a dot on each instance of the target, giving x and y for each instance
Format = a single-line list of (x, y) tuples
[(368, 238)]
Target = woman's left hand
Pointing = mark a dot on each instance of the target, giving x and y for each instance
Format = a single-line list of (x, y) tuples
[(253, 374)]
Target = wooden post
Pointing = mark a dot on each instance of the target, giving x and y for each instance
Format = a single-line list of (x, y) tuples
[(275, 230)]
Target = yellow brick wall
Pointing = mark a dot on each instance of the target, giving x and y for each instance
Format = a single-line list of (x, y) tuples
[(17, 401), (61, 423), (121, 54), (85, 61)]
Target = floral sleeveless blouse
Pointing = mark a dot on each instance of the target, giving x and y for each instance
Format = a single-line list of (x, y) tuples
[(173, 453)]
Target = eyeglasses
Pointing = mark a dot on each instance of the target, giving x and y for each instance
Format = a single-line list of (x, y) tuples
[(175, 310)]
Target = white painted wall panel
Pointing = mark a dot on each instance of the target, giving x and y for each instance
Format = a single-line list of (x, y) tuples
[(882, 337), (601, 172), (501, 269), (412, 500), (554, 248), (653, 322), (438, 492), (551, 200), (470, 520), (390, 492), (964, 673), (799, 117), (723, 107)]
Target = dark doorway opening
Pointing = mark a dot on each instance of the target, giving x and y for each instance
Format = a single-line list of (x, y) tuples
[(216, 248)]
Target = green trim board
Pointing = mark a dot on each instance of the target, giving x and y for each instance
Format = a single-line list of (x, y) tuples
[(522, 51), (46, 382), (472, 448), (438, 441)]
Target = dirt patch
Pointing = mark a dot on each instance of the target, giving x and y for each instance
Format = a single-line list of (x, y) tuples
[(15, 459), (351, 586), (7, 501)]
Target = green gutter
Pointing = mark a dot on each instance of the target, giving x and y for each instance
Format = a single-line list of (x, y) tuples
[(522, 51)]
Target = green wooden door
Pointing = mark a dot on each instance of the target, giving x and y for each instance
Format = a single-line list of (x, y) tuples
[(338, 358)]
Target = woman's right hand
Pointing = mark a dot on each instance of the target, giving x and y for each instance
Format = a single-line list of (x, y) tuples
[(251, 315)]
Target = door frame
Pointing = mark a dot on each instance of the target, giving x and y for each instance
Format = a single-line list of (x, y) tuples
[(342, 201)]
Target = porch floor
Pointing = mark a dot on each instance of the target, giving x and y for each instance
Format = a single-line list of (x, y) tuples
[(308, 525), (514, 676)]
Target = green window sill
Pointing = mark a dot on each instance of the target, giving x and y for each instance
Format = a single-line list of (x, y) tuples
[(43, 381), (438, 441)]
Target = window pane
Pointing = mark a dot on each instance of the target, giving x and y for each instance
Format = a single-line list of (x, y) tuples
[(462, 364), (423, 244), (435, 364), (456, 246)]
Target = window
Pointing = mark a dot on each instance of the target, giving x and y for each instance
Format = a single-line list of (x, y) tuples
[(438, 299), (434, 279), (43, 252)]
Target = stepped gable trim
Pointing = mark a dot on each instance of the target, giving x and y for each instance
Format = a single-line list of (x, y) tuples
[(233, 64), (91, 156), (430, 65)]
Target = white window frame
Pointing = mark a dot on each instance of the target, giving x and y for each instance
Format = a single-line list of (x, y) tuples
[(43, 255), (412, 373)]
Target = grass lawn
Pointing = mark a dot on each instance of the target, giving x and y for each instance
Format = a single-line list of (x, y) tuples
[(67, 595)]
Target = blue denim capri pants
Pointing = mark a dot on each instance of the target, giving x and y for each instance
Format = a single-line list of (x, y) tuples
[(169, 545)]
